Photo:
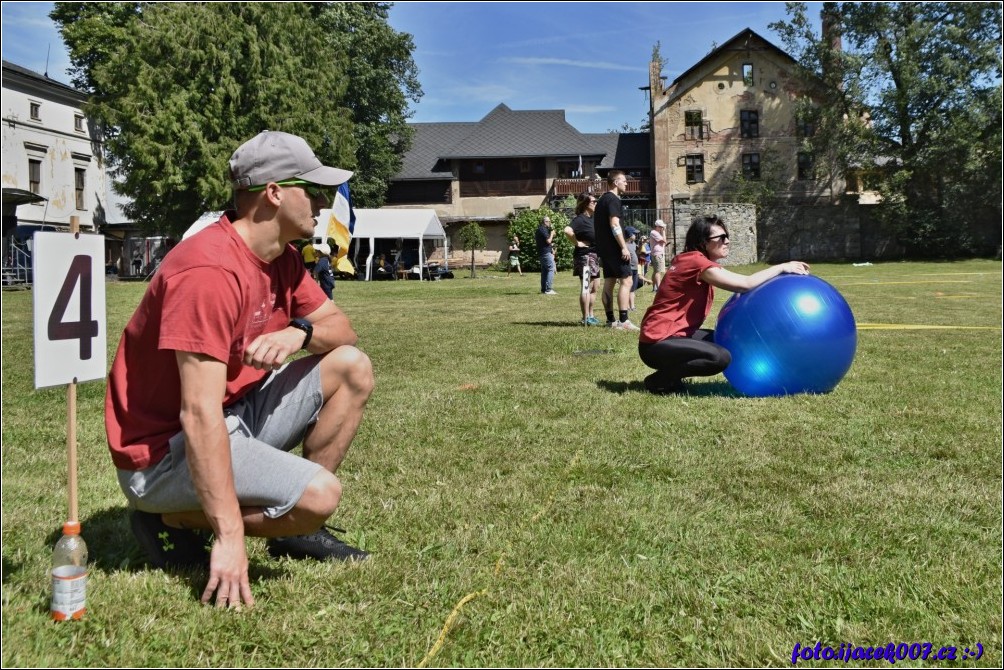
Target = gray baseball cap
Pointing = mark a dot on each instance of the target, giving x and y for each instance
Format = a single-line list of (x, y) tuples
[(275, 156)]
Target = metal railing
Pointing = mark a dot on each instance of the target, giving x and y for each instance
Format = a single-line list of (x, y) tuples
[(16, 266), (635, 186)]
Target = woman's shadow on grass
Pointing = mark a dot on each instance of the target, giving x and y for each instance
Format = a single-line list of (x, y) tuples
[(553, 324), (719, 389)]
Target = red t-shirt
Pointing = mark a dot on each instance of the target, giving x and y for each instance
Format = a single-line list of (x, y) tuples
[(683, 301), (211, 295)]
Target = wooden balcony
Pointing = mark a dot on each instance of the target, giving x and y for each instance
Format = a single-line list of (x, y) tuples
[(644, 186)]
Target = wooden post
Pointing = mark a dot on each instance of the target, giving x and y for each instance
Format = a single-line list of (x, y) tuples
[(71, 422)]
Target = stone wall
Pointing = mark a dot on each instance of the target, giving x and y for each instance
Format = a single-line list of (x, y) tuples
[(844, 232), (848, 231), (739, 218)]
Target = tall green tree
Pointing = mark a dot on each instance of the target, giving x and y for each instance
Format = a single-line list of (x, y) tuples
[(383, 78), (177, 87), (911, 92)]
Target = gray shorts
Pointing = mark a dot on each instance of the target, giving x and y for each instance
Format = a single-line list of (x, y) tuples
[(264, 426)]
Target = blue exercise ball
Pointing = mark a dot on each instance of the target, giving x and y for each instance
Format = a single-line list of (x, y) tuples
[(791, 334)]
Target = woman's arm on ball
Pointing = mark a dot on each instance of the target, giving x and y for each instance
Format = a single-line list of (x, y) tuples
[(737, 283)]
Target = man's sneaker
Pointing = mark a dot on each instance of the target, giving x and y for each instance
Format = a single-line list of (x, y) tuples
[(551, 292), (321, 545), (168, 547), (592, 321), (625, 325)]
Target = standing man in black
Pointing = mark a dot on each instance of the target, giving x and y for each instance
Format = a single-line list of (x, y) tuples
[(615, 259)]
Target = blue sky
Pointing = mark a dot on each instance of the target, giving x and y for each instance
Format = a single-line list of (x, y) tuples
[(588, 58)]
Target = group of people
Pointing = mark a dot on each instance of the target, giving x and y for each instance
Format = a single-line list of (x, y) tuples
[(204, 403), (600, 242), (671, 340)]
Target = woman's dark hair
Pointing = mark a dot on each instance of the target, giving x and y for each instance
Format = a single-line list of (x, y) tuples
[(700, 231), (582, 202)]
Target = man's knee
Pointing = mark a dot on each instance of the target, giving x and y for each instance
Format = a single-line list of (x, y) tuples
[(321, 497), (350, 366)]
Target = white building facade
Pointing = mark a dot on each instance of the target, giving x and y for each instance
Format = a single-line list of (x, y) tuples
[(49, 152)]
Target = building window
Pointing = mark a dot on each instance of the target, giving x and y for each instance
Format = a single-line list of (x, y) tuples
[(79, 185), (695, 169), (524, 165), (806, 169), (35, 176), (748, 74), (694, 124), (751, 166), (479, 167), (749, 123), (78, 123), (35, 110), (805, 124)]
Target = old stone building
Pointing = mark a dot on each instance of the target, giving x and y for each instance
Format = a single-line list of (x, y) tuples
[(732, 111)]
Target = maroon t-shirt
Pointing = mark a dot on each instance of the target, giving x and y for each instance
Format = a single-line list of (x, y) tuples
[(211, 295), (683, 301)]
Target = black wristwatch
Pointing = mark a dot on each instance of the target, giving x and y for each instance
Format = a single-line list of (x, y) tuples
[(306, 327)]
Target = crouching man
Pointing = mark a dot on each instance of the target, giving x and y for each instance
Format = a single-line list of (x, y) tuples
[(203, 409)]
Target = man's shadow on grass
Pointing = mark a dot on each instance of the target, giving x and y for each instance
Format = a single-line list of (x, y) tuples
[(111, 547), (718, 389)]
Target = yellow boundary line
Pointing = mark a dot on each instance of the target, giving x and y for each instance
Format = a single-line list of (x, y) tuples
[(441, 640), (924, 281), (908, 326), (455, 612)]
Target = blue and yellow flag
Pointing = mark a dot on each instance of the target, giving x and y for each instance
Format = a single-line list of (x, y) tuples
[(341, 225)]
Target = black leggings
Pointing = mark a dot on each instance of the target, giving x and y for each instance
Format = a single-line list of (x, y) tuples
[(677, 357)]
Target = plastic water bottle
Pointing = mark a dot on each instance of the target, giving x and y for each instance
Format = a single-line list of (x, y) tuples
[(69, 575)]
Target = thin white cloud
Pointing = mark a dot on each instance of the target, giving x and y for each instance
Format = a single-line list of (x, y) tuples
[(483, 92), (569, 62)]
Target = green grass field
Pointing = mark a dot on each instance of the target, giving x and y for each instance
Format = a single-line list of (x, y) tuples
[(528, 504)]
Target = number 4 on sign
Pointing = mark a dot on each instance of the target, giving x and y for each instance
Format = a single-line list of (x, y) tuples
[(84, 329), (69, 310)]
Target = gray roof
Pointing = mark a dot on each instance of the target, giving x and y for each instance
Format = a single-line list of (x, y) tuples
[(623, 150), (15, 69), (421, 161), (506, 133)]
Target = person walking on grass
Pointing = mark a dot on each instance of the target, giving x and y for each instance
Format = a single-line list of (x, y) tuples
[(611, 247), (586, 264), (323, 272), (203, 406), (514, 256)]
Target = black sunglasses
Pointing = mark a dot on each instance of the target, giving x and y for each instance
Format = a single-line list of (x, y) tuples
[(719, 238)]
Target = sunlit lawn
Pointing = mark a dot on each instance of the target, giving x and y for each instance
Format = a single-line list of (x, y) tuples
[(510, 470)]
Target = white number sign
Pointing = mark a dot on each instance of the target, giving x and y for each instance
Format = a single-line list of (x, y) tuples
[(69, 295)]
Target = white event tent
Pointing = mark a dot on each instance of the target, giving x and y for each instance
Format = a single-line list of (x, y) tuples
[(394, 224)]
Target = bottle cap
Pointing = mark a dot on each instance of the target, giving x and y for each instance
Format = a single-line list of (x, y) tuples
[(71, 528)]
